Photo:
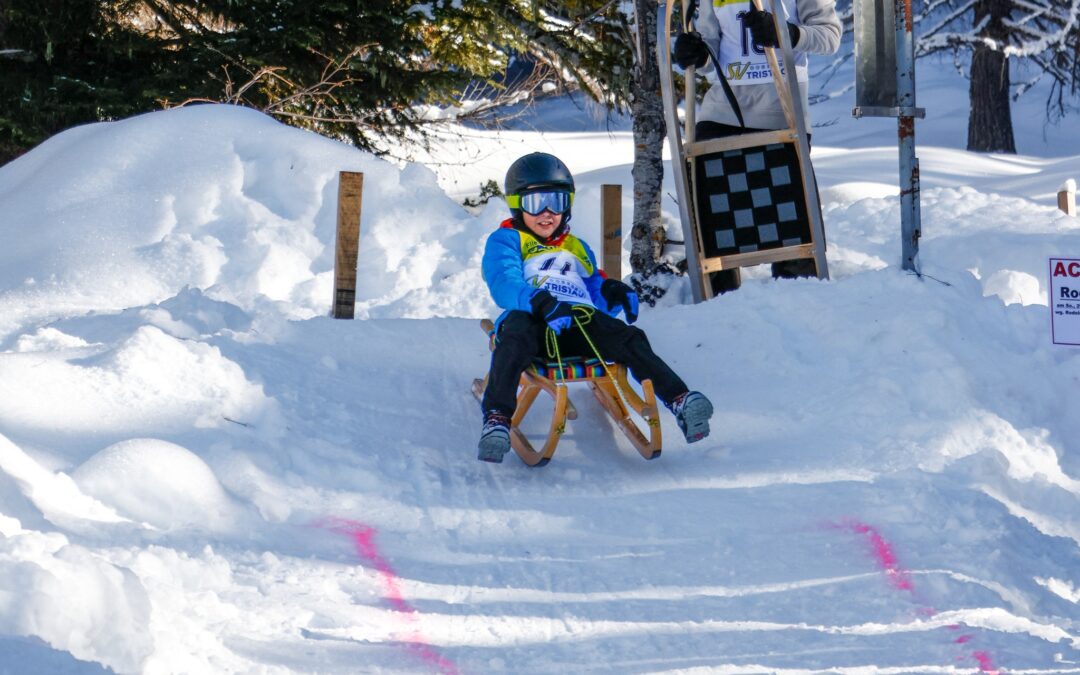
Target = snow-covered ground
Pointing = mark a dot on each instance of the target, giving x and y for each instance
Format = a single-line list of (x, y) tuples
[(200, 472)]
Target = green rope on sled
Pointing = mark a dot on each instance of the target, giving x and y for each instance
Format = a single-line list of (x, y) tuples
[(552, 339)]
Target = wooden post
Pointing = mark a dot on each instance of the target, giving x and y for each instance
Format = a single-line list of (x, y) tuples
[(611, 220), (350, 192), (1067, 197)]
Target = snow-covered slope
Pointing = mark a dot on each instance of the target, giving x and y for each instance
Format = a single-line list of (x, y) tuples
[(201, 472)]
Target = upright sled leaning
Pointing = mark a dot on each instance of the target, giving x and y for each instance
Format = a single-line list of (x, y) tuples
[(746, 199), (608, 383)]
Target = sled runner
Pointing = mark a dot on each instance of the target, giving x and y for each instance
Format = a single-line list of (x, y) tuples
[(746, 199), (608, 383)]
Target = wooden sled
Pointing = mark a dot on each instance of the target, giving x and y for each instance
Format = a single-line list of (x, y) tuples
[(606, 391), (738, 208)]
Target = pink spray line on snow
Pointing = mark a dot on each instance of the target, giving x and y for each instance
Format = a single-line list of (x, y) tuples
[(900, 579), (363, 539)]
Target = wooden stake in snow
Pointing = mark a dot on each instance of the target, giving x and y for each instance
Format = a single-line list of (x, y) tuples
[(350, 192), (611, 219), (1067, 197)]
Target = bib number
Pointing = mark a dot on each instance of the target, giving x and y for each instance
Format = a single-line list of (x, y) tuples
[(747, 38)]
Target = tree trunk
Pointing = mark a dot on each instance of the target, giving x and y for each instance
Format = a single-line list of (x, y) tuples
[(647, 109), (990, 120)]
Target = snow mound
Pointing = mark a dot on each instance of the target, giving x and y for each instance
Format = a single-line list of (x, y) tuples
[(157, 482), (145, 382), (58, 497), (1014, 287), (74, 600), (48, 339), (218, 198)]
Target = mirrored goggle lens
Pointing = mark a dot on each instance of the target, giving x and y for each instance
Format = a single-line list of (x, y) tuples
[(535, 203)]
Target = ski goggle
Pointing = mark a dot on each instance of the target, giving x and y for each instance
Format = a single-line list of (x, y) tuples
[(535, 203)]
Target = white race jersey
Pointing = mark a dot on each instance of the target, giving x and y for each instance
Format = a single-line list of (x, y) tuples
[(742, 62)]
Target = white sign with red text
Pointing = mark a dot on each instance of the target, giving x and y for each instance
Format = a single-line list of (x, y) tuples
[(1065, 300)]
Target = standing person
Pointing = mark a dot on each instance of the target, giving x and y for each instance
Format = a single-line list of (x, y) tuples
[(735, 33), (547, 281)]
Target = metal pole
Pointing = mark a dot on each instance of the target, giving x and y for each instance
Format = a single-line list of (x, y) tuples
[(910, 218)]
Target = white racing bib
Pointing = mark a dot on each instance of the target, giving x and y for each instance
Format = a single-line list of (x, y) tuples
[(559, 273), (740, 61), (560, 270)]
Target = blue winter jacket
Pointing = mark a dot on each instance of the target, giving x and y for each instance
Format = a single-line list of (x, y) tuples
[(504, 264)]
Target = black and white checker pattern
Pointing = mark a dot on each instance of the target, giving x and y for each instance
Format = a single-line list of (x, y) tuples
[(751, 199)]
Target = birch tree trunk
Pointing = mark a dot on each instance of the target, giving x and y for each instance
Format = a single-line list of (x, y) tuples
[(647, 109)]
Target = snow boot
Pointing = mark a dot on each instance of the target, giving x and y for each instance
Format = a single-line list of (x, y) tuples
[(495, 438), (692, 411)]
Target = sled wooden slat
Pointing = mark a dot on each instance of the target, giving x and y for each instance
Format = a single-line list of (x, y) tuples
[(794, 113), (726, 262), (607, 390), (787, 101), (714, 145), (519, 442), (606, 394)]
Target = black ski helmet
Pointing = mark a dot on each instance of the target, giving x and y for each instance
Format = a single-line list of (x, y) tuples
[(536, 171)]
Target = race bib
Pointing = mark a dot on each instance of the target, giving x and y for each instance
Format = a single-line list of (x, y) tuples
[(558, 270), (740, 61)]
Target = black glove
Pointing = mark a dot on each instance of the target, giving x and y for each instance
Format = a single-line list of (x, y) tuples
[(558, 315), (618, 294), (690, 50), (763, 29)]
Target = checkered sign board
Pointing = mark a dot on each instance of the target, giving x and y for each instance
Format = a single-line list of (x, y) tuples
[(751, 199)]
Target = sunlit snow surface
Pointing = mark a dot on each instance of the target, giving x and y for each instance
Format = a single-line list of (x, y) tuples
[(202, 473)]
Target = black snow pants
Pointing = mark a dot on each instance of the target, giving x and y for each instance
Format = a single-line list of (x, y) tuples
[(521, 338)]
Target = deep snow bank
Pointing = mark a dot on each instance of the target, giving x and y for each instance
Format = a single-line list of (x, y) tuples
[(120, 214)]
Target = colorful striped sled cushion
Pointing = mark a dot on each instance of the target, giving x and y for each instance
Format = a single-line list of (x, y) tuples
[(573, 368)]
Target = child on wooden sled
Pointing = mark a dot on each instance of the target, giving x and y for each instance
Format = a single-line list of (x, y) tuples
[(549, 284)]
